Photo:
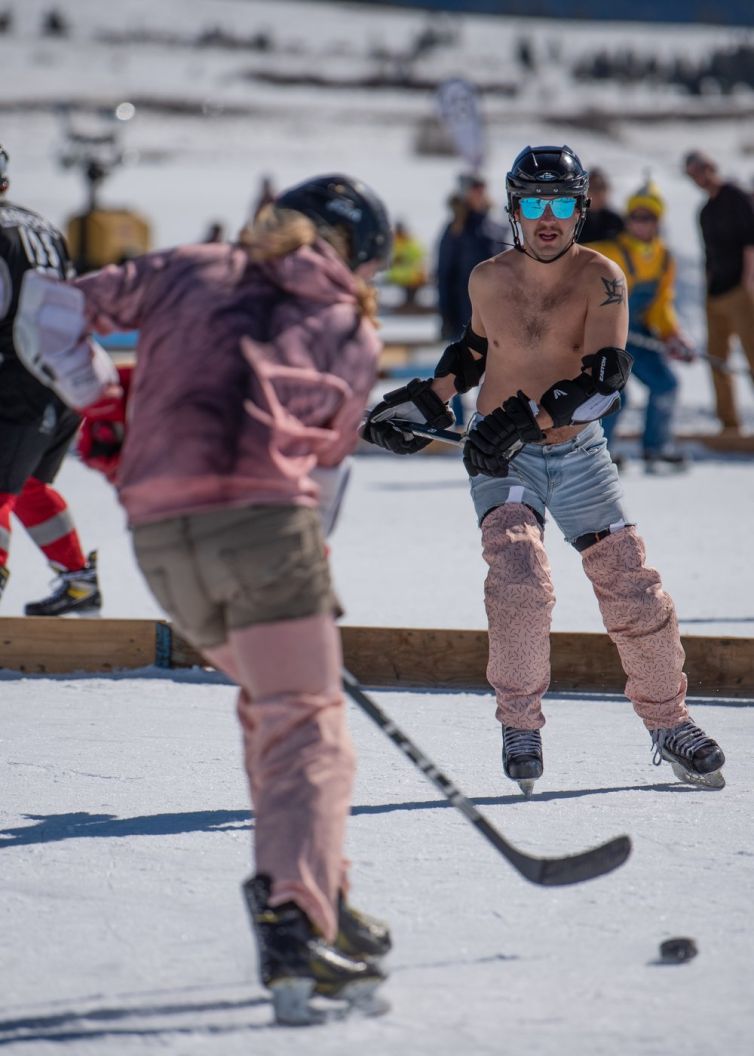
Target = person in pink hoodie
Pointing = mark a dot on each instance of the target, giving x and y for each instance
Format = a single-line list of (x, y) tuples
[(255, 361)]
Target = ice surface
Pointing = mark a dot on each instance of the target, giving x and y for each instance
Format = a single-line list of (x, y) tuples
[(125, 827)]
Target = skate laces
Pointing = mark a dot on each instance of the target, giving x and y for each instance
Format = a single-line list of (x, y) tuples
[(80, 582), (683, 740), (522, 742)]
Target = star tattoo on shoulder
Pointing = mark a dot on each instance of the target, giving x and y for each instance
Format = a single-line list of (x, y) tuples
[(614, 291)]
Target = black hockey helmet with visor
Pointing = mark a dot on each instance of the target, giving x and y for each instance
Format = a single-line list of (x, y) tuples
[(547, 172), (551, 172), (340, 202)]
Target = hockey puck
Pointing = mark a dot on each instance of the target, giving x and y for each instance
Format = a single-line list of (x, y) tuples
[(676, 951)]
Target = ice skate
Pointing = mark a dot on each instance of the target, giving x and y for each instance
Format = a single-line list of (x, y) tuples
[(297, 965), (522, 757), (360, 935), (664, 462), (695, 758), (74, 593)]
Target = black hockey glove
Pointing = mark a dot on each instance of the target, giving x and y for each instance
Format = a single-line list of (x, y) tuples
[(416, 402), (497, 437), (458, 360)]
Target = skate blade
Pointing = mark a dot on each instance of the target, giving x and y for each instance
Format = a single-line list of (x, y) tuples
[(361, 999), (713, 780), (665, 469), (527, 787), (290, 1000)]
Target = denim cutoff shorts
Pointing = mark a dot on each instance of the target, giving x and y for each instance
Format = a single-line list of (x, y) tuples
[(576, 481)]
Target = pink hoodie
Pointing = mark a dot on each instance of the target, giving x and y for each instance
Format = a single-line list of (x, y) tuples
[(247, 375)]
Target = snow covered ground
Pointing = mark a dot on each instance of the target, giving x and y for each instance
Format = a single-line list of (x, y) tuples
[(124, 827)]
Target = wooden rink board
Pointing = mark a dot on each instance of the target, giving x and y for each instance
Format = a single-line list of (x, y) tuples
[(377, 656)]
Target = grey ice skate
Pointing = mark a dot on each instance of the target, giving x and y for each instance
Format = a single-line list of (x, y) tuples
[(694, 757), (522, 757)]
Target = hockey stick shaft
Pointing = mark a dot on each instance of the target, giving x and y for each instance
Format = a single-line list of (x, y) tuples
[(655, 345), (447, 436), (545, 871)]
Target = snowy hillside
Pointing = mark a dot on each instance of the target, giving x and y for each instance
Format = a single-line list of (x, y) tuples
[(207, 129)]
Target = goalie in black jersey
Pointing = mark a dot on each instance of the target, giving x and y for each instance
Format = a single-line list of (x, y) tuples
[(36, 427)]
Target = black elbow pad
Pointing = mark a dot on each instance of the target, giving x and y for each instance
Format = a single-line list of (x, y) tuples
[(609, 369), (457, 360), (594, 393)]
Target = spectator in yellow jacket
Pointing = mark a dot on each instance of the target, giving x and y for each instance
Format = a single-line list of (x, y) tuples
[(407, 269), (654, 331)]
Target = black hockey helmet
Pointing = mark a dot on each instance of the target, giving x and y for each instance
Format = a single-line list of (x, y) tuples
[(339, 201), (4, 160), (551, 171)]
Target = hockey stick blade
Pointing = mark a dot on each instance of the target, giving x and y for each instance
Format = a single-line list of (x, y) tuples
[(547, 872)]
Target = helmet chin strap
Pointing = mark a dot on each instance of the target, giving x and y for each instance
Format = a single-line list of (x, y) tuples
[(520, 244)]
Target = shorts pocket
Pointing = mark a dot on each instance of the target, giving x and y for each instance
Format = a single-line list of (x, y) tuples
[(285, 577), (591, 446)]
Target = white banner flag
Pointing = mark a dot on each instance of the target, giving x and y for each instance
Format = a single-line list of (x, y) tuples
[(458, 103)]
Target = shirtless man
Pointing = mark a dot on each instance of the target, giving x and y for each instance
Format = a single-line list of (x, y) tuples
[(547, 334)]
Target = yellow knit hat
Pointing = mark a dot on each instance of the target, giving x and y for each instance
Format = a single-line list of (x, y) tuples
[(647, 197)]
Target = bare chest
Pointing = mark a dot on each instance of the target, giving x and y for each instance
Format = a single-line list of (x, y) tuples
[(536, 336), (525, 316)]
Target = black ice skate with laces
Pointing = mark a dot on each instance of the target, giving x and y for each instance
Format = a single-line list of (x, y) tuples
[(361, 935), (694, 757), (73, 593), (297, 965), (522, 757)]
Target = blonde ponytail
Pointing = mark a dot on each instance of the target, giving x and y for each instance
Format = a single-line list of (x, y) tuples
[(276, 232), (366, 297)]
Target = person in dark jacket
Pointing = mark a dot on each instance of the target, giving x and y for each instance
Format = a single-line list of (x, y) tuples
[(601, 223), (36, 427), (727, 223), (469, 238)]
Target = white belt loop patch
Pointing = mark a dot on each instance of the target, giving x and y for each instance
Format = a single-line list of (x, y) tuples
[(516, 494)]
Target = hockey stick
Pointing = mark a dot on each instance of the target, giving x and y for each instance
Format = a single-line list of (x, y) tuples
[(655, 345), (431, 432), (549, 872)]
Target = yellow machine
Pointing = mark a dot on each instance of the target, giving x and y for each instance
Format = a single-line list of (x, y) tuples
[(107, 236)]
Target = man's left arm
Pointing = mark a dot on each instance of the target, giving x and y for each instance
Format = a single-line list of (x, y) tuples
[(741, 220), (606, 365)]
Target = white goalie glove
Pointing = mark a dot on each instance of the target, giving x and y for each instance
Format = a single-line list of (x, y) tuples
[(49, 337)]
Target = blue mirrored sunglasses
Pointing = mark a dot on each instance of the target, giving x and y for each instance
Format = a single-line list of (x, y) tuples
[(533, 208)]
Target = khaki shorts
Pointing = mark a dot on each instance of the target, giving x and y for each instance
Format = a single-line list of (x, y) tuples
[(224, 570)]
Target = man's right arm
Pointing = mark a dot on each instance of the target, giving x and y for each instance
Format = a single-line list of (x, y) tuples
[(460, 368), (463, 362)]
